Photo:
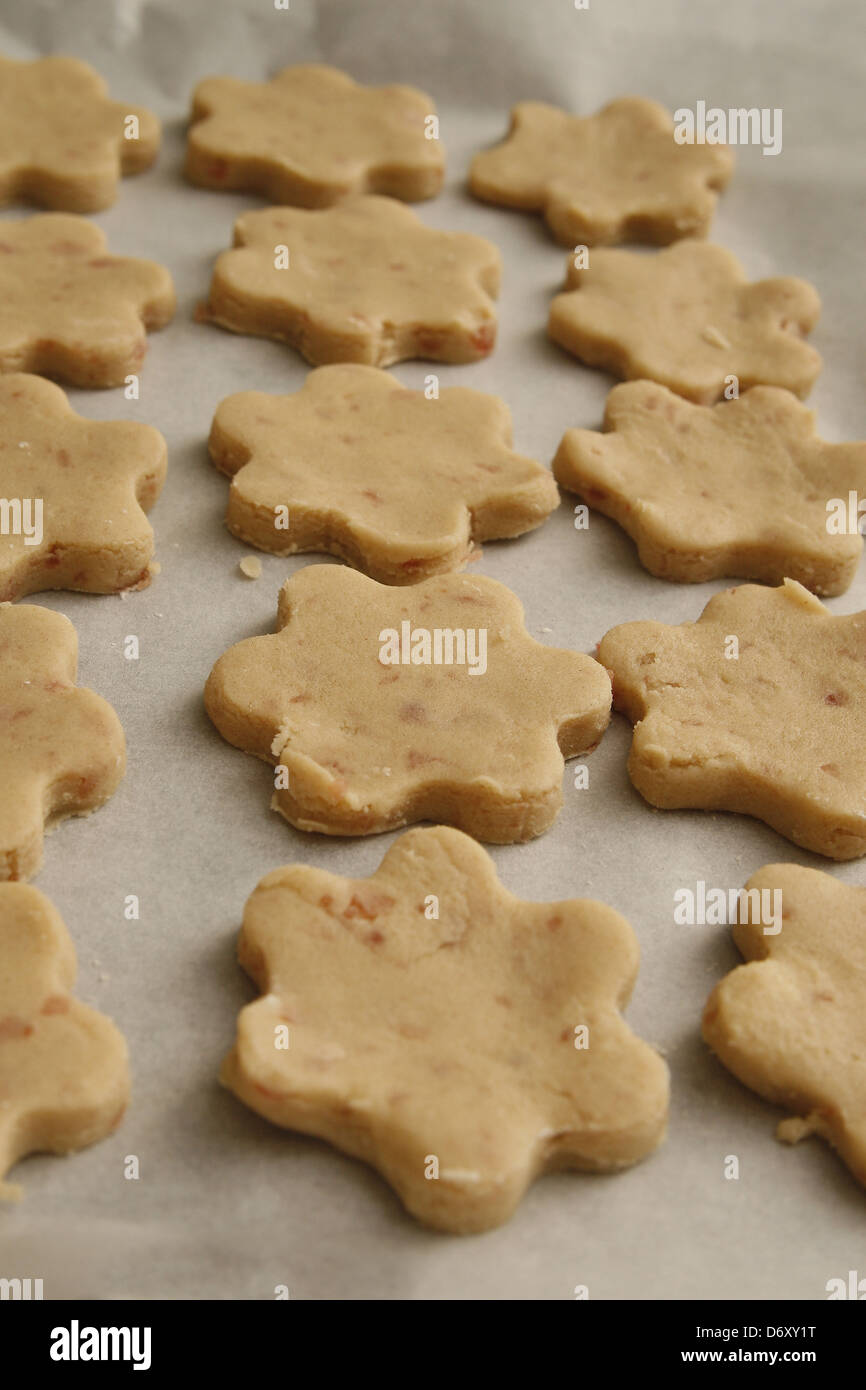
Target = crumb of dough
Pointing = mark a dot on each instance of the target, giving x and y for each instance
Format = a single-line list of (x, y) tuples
[(794, 1128), (251, 567)]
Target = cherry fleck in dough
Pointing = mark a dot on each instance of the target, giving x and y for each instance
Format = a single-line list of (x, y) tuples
[(398, 485), (95, 480), (790, 1023), (64, 1074), (616, 176), (63, 143), (688, 318), (62, 750), (69, 309), (758, 707), (371, 744), (740, 488), (365, 281), (311, 136), (486, 1039)]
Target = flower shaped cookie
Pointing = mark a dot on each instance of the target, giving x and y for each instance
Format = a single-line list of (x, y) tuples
[(383, 706), (68, 309), (758, 707), (790, 1024), (740, 488), (62, 751), (688, 318), (311, 136), (398, 485), (616, 176), (88, 482), (460, 1040), (364, 281), (64, 1076), (63, 144)]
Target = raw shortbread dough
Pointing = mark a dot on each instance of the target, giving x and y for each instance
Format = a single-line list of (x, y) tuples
[(365, 281), (777, 731), (368, 744), (94, 480), (616, 176), (445, 1050), (688, 318), (791, 1024), (63, 143), (71, 310), (398, 485), (62, 750), (740, 488), (64, 1074), (311, 136)]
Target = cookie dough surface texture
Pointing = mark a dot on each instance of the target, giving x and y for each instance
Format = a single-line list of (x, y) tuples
[(383, 706), (311, 136), (790, 1023), (62, 750), (462, 1053), (63, 143), (365, 281), (399, 485), (616, 176), (689, 319), (64, 1075), (741, 488), (85, 486), (758, 707), (69, 309)]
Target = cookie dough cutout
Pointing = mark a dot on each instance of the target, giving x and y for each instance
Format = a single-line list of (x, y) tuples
[(364, 281), (63, 143), (399, 485), (790, 1024), (83, 487), (616, 176), (457, 1038), (64, 1073), (758, 707), (311, 136), (737, 489), (62, 750), (688, 318), (383, 706), (70, 310)]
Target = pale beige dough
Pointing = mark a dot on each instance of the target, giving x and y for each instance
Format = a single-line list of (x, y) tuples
[(95, 480), (616, 176), (413, 1038), (63, 143), (737, 489), (791, 1023), (64, 1074), (366, 281), (688, 318), (778, 733), (62, 750), (398, 485), (311, 136), (69, 309), (370, 746)]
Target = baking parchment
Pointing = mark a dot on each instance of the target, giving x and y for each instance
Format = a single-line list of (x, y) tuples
[(227, 1206)]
